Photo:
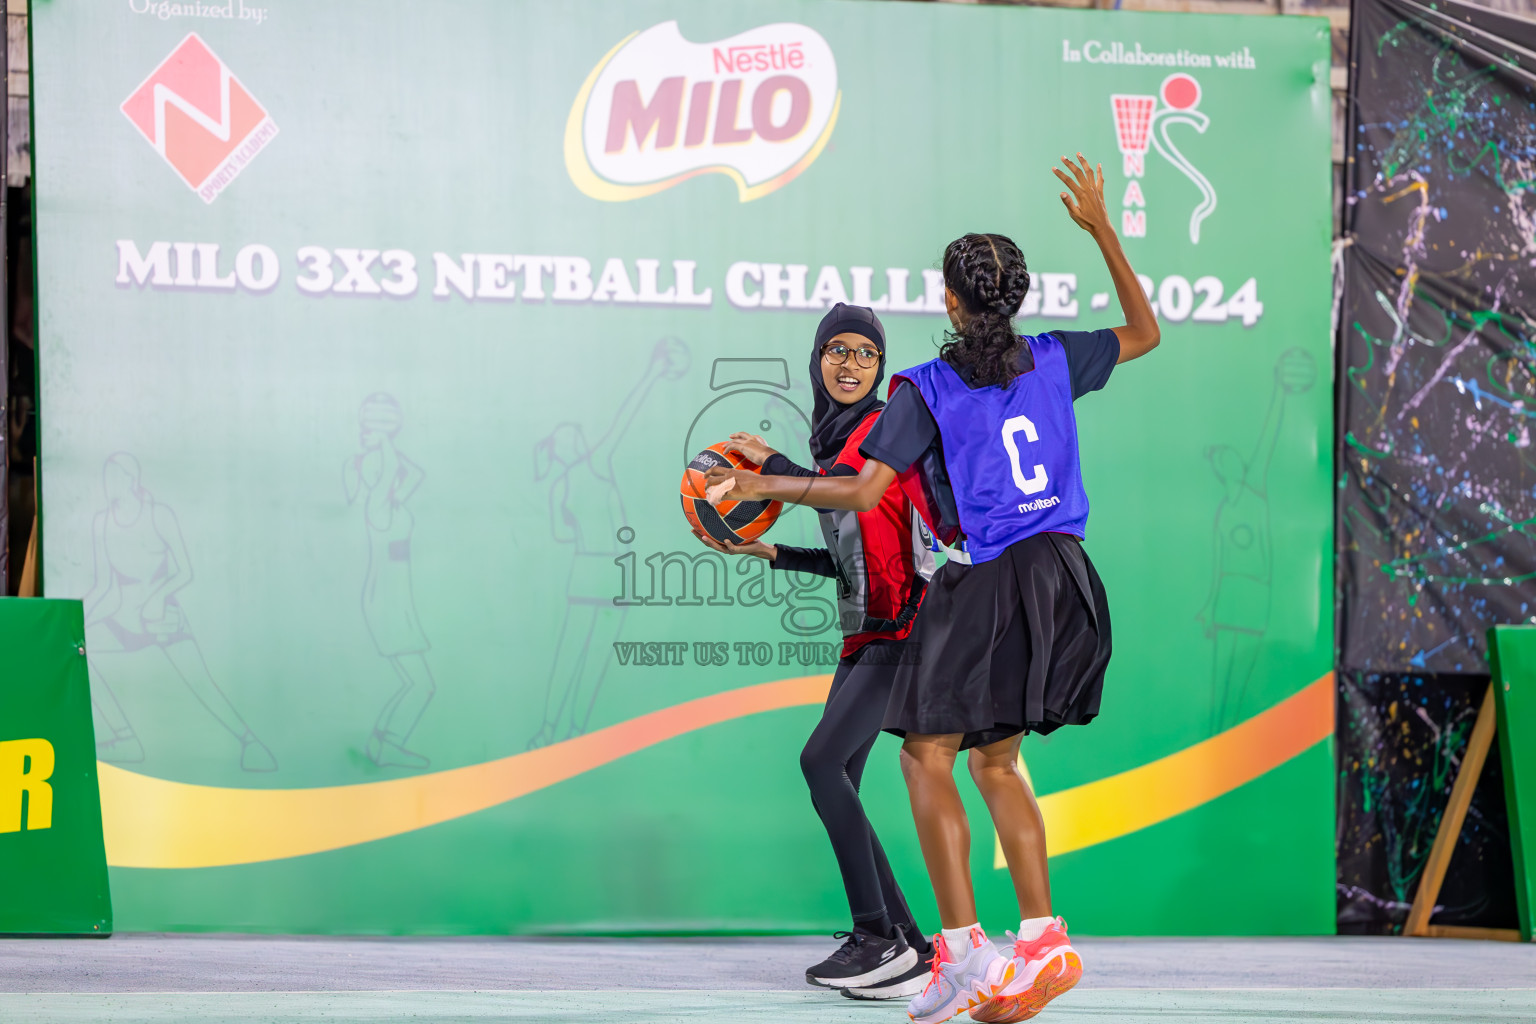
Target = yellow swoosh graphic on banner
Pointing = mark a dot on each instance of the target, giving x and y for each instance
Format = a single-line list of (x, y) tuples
[(156, 823), (1118, 805)]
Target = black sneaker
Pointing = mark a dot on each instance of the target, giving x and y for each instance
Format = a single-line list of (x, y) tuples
[(903, 986), (863, 959)]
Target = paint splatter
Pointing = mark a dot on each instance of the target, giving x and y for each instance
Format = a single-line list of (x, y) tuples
[(1400, 743), (1437, 505)]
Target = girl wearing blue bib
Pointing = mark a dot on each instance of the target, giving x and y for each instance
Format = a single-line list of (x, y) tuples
[(1013, 635)]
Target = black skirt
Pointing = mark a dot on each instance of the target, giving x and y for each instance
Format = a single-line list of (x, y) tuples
[(1016, 644)]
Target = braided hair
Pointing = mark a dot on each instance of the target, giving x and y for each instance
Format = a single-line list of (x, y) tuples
[(988, 276)]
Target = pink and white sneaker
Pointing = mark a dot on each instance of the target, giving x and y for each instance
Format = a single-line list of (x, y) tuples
[(1040, 971), (959, 982)]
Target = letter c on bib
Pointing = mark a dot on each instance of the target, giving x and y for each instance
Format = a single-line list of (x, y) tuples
[(1029, 485)]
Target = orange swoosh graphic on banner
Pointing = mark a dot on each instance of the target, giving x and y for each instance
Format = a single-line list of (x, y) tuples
[(156, 823)]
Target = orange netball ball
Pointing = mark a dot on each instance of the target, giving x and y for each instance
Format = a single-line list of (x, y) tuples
[(731, 521)]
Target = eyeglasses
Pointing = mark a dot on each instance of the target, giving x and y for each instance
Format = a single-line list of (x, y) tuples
[(837, 354)]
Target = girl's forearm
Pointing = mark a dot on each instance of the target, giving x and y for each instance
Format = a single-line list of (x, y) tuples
[(850, 493), (815, 561), (1141, 333)]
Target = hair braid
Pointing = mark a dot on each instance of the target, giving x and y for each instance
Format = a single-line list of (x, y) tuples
[(988, 275)]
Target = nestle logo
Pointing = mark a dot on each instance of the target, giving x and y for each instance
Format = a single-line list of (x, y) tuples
[(196, 114), (761, 57), (658, 110)]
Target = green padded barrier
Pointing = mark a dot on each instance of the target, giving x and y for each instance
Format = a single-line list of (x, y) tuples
[(1513, 650), (53, 864)]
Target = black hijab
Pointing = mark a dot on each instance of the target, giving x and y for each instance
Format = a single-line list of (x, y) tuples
[(832, 422)]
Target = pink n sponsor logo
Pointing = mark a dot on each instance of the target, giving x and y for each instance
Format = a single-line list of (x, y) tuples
[(199, 118)]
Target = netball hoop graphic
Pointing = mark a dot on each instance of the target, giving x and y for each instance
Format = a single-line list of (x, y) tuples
[(1133, 130), (1140, 125)]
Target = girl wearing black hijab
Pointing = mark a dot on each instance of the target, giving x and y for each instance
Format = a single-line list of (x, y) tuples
[(882, 563)]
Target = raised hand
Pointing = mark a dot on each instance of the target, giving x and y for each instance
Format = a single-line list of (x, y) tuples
[(1084, 199)]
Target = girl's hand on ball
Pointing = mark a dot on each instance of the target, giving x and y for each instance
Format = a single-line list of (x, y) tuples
[(753, 547), (715, 493), (721, 483), (752, 446)]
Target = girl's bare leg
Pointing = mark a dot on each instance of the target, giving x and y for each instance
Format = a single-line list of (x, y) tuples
[(928, 763), (1017, 818)]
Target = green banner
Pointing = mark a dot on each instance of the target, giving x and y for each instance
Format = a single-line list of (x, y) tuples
[(374, 338), (53, 869)]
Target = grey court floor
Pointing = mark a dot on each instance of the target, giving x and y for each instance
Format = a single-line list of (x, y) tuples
[(256, 980)]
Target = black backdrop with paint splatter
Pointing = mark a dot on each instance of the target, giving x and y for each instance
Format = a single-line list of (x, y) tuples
[(1437, 488), (1401, 740), (1437, 369)]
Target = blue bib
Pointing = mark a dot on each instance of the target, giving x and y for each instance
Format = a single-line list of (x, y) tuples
[(1011, 453)]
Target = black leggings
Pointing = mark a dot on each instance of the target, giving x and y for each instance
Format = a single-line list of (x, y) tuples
[(833, 763)]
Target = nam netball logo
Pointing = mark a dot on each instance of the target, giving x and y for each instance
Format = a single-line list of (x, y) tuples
[(1140, 125), (198, 116), (657, 110)]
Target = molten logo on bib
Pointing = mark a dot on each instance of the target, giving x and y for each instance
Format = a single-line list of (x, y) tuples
[(198, 116), (658, 110)]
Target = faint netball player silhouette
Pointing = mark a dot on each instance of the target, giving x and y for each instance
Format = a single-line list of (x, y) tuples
[(385, 480), (1236, 615), (141, 564), (585, 509)]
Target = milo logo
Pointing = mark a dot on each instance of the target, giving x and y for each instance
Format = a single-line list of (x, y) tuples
[(657, 110)]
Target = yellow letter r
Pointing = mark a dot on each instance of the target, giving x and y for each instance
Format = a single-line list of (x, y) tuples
[(25, 767)]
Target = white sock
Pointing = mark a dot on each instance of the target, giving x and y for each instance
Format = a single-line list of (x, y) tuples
[(958, 940), (1031, 928)]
